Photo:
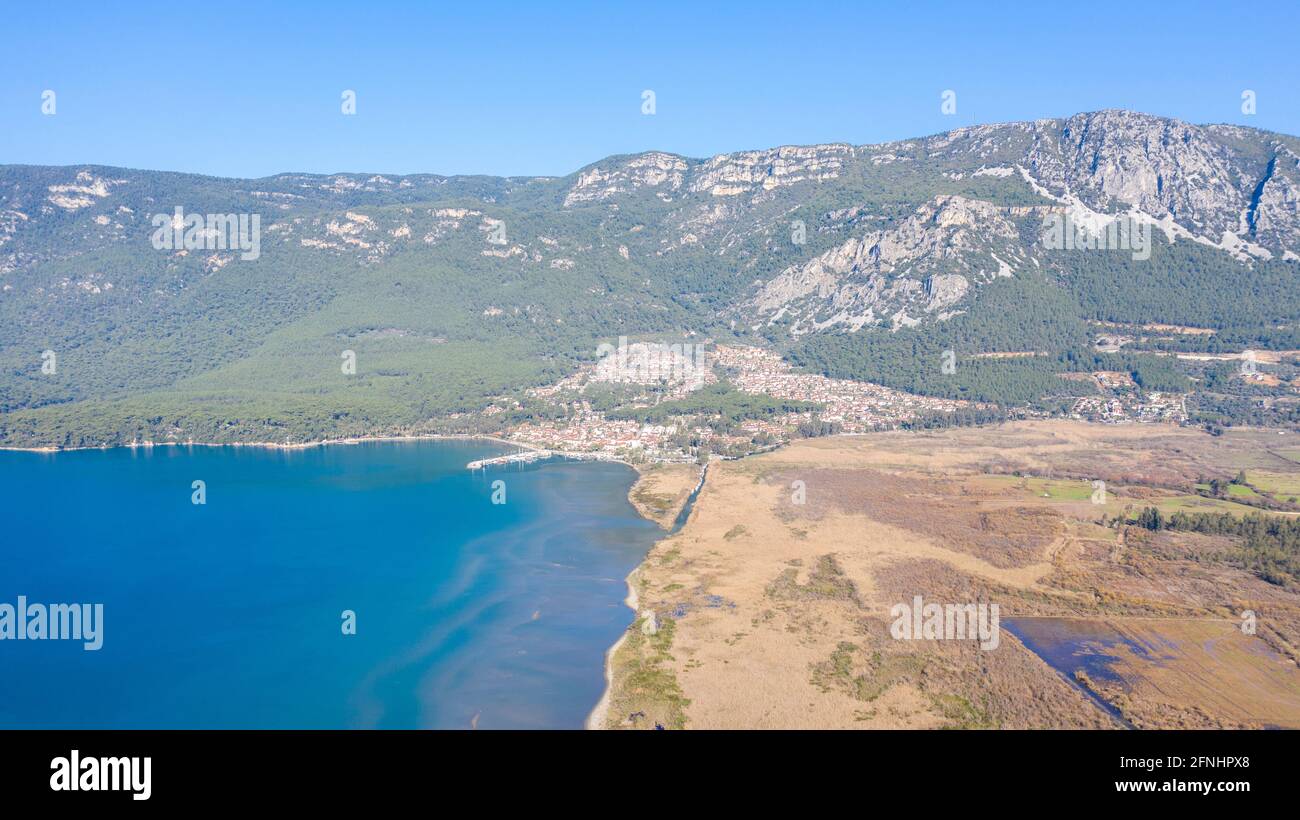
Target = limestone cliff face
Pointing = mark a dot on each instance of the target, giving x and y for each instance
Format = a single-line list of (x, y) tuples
[(1209, 180), (922, 266), (607, 180), (1230, 188), (1163, 167), (1273, 215), (754, 171), (725, 175)]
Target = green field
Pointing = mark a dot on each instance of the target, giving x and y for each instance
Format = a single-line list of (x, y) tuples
[(1293, 454), (1281, 484), (1200, 504), (1047, 488)]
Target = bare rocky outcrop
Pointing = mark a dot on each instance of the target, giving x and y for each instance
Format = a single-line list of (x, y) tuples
[(611, 178), (1163, 167), (85, 191), (749, 171), (923, 265)]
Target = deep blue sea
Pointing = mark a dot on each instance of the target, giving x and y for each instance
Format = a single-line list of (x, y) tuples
[(229, 614)]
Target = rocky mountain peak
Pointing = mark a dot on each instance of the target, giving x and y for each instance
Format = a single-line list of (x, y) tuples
[(1119, 160)]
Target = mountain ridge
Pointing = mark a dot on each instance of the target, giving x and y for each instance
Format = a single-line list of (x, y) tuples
[(459, 290), (1225, 126)]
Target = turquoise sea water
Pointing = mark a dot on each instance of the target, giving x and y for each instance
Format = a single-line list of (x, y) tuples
[(229, 614)]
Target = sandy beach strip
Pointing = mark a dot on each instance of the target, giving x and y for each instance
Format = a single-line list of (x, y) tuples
[(600, 714)]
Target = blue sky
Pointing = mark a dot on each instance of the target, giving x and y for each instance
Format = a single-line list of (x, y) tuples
[(239, 89)]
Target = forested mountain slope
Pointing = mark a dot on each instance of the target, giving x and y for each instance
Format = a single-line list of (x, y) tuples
[(867, 262)]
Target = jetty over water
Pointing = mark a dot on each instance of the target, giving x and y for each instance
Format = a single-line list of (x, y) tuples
[(529, 456), (521, 457)]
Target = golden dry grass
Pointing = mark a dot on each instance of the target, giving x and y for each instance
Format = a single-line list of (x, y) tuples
[(1198, 673), (779, 587)]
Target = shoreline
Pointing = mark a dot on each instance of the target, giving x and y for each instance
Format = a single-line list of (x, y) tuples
[(597, 719), (273, 445), (600, 712)]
